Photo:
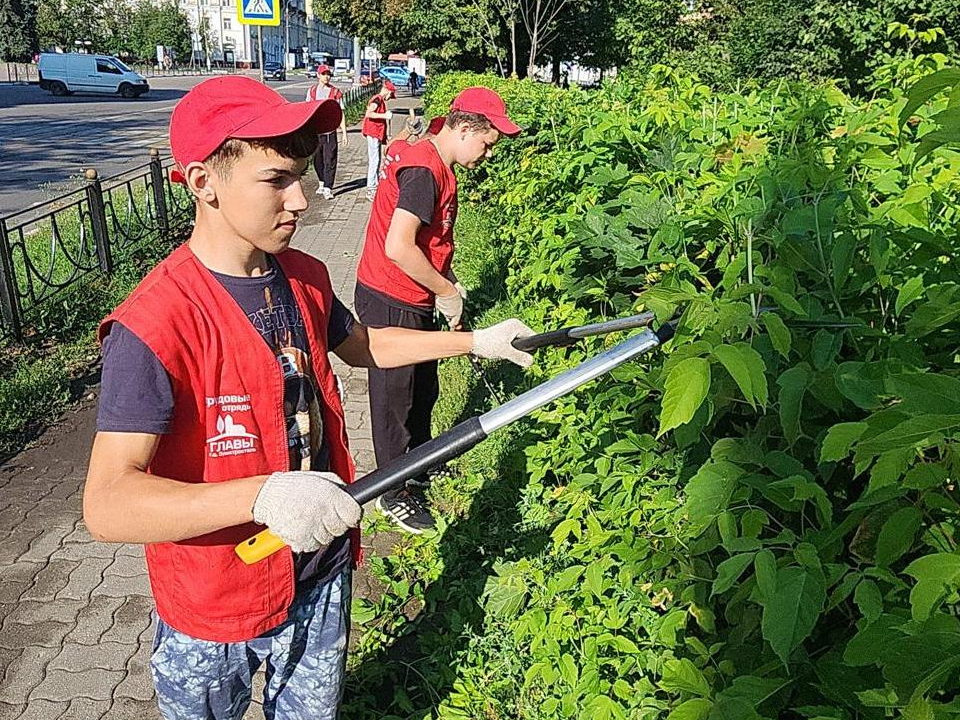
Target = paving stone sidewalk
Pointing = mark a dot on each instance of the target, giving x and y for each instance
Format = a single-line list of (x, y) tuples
[(75, 625)]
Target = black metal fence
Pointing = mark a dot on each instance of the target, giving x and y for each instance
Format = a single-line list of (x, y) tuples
[(54, 245)]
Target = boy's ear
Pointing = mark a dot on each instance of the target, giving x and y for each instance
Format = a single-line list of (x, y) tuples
[(199, 179)]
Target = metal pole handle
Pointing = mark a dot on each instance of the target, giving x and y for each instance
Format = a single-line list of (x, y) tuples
[(568, 336)]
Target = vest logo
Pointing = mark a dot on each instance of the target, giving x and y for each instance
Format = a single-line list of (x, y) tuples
[(231, 439)]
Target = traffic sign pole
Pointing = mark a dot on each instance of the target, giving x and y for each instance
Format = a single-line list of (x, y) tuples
[(263, 78), (261, 13)]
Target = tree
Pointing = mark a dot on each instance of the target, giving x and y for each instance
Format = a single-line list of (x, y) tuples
[(18, 18), (540, 20)]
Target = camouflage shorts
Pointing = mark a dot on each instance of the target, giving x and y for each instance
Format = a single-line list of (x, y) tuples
[(305, 662)]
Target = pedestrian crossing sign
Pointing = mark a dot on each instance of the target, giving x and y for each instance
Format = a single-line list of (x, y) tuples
[(258, 12)]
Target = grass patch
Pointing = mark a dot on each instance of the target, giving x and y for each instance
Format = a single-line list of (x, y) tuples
[(56, 363)]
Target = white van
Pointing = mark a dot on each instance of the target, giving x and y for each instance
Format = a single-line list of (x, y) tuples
[(66, 73)]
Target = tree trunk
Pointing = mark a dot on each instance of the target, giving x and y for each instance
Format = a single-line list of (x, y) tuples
[(513, 45), (532, 60), (555, 73)]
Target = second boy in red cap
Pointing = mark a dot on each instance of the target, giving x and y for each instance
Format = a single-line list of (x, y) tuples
[(325, 159), (405, 276), (219, 415), (374, 129)]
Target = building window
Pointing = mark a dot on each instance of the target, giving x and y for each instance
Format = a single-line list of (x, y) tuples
[(226, 24)]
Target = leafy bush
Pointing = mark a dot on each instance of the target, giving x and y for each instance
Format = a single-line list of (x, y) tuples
[(759, 521)]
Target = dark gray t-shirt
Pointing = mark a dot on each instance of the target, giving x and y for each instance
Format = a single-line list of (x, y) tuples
[(136, 394)]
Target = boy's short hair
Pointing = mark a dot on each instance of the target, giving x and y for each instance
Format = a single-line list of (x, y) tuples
[(474, 121), (299, 144)]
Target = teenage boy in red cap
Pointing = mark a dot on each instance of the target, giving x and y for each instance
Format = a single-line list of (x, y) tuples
[(374, 129), (219, 415), (325, 159), (405, 275)]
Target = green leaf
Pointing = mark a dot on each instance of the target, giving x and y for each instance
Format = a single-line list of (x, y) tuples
[(793, 384), (909, 433), (868, 598), (602, 707), (568, 669), (735, 364), (911, 290), (685, 389), (683, 676), (505, 593), (790, 615), (897, 535), (934, 574), (765, 571), (926, 88), (733, 708), (925, 476), (921, 392), (708, 493), (836, 445), (754, 689), (694, 709), (758, 372), (729, 571), (780, 336)]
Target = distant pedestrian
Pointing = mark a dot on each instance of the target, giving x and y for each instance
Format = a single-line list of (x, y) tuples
[(374, 129), (325, 159), (414, 82)]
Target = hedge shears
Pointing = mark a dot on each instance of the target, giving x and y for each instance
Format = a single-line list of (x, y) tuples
[(464, 436)]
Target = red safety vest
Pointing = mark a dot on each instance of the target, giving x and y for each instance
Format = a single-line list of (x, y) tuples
[(379, 272), (332, 93), (376, 127), (228, 423)]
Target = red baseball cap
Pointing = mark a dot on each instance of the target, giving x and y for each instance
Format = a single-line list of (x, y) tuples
[(484, 101), (238, 107), (391, 87), (436, 124), (324, 70)]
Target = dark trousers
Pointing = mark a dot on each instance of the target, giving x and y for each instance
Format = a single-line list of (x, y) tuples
[(401, 399), (325, 159)]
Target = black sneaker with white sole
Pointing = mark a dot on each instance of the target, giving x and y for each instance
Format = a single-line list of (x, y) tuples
[(408, 509)]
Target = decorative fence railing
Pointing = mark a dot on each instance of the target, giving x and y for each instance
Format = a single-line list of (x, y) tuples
[(53, 246)]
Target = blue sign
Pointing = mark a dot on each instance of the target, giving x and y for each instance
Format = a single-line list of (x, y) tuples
[(258, 12)]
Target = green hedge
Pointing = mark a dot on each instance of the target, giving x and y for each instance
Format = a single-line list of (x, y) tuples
[(760, 520)]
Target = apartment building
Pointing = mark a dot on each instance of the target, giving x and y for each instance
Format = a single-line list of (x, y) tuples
[(230, 41)]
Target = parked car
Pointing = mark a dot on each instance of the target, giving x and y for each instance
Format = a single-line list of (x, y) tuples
[(274, 71), (67, 73), (399, 76)]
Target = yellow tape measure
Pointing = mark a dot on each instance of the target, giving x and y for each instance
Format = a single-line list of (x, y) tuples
[(261, 545)]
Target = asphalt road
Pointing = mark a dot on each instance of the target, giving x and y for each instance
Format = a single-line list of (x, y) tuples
[(47, 142)]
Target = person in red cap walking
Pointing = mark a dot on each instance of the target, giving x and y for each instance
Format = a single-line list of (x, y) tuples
[(374, 129), (325, 159), (405, 276), (219, 415)]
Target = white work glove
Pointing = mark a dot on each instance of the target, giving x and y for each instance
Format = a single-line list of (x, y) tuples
[(451, 306), (389, 114), (305, 509), (494, 342)]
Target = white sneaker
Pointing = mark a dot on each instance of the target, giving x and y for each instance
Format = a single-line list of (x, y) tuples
[(327, 193), (321, 189)]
